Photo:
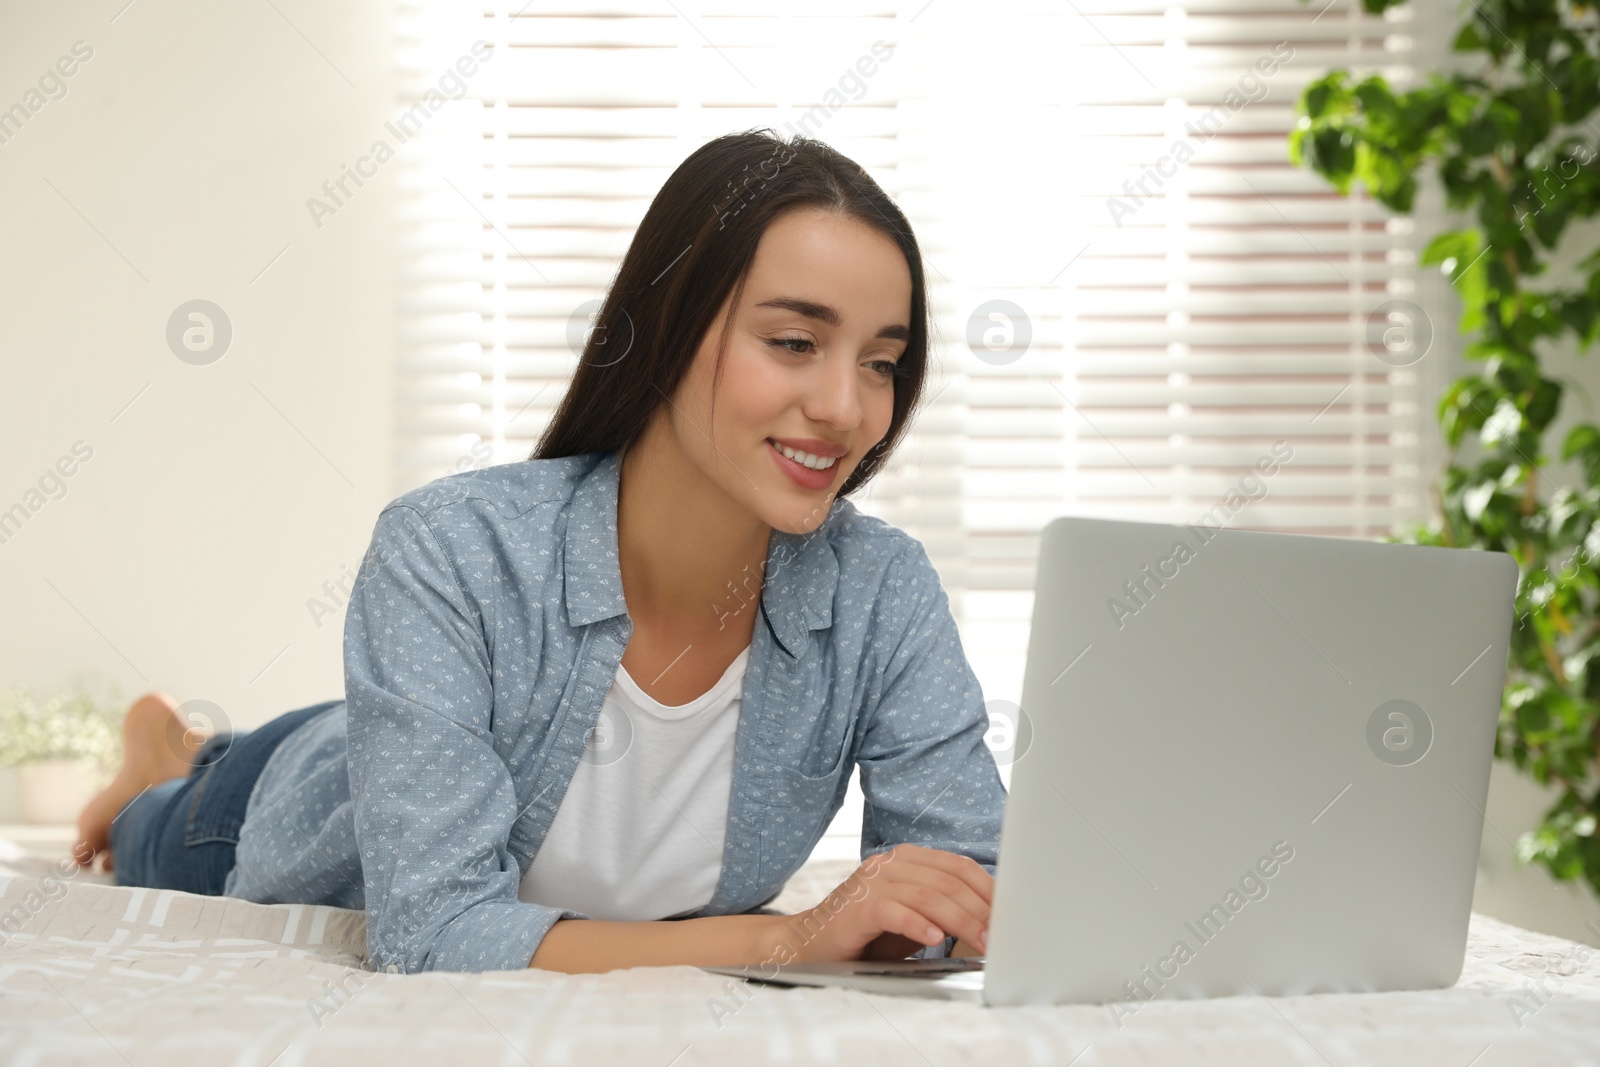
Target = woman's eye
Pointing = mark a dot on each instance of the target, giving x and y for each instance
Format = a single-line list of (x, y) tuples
[(886, 367), (785, 342)]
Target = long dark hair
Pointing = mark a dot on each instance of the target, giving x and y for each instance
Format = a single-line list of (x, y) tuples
[(695, 246)]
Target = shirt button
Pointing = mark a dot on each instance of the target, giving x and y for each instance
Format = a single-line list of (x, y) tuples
[(393, 968)]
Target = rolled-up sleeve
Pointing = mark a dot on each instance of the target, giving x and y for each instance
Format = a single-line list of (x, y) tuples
[(433, 801), (927, 775)]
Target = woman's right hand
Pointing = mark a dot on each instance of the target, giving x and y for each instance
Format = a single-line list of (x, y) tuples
[(893, 904)]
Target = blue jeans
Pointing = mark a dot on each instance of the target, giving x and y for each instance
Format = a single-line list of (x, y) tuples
[(181, 834)]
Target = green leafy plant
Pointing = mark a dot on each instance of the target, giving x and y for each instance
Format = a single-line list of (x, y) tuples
[(75, 724), (1512, 138)]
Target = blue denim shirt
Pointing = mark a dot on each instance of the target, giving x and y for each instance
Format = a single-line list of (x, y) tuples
[(484, 629)]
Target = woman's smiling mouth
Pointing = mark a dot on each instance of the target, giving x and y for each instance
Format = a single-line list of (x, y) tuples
[(808, 469)]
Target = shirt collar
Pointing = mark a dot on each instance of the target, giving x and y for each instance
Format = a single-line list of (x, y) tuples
[(801, 578)]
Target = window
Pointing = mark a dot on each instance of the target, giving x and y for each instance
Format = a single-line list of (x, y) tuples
[(1135, 292)]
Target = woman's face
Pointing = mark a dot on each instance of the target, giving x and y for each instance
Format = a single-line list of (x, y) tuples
[(807, 386)]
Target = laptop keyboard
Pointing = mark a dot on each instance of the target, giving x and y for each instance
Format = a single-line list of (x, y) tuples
[(934, 968)]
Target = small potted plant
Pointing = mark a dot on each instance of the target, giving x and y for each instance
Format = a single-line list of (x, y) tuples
[(65, 748)]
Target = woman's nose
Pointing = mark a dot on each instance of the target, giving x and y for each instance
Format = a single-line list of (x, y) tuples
[(835, 396)]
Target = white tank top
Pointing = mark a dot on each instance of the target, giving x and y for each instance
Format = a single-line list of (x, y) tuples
[(639, 834)]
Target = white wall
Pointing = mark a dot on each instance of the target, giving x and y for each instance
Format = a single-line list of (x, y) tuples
[(218, 497), (1527, 896)]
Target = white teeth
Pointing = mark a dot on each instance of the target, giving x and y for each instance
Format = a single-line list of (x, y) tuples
[(806, 459)]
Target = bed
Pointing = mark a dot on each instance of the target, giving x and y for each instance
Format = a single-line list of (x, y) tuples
[(95, 973)]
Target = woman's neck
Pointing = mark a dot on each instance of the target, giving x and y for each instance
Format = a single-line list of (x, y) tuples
[(688, 553)]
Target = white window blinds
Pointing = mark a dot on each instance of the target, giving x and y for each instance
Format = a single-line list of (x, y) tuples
[(1106, 182)]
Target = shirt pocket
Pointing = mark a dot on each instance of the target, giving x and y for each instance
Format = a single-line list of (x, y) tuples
[(809, 796), (800, 818), (826, 754)]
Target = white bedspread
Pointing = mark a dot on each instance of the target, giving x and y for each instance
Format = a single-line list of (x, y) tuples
[(100, 974)]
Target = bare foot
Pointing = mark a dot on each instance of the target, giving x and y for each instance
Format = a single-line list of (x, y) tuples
[(157, 745)]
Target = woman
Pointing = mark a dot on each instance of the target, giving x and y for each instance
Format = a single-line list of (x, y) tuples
[(626, 681)]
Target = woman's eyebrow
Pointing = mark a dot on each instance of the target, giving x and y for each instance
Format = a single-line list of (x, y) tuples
[(825, 313)]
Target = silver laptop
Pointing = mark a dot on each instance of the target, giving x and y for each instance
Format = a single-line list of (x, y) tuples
[(1248, 763)]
